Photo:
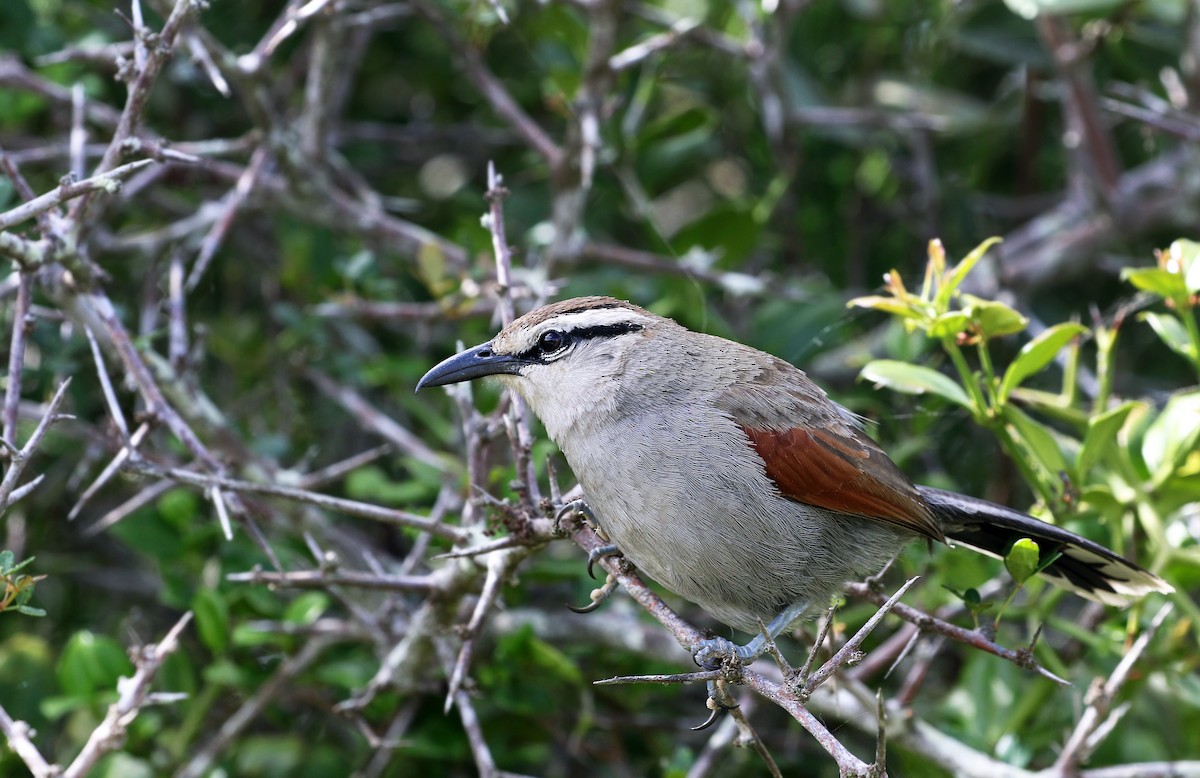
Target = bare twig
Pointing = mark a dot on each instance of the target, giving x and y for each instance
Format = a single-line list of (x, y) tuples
[(1082, 102), (518, 417), (13, 173), (201, 760), (137, 501), (1091, 727), (342, 505), (110, 734), (108, 182), (337, 470), (650, 46), (218, 500), (322, 579), (972, 638), (230, 206), (370, 418), (177, 333), (20, 458), (16, 356), (18, 735), (491, 88), (850, 650), (127, 450), (110, 396), (500, 566), (139, 93), (499, 544)]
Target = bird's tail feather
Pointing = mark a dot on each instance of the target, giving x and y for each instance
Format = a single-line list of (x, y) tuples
[(1083, 567)]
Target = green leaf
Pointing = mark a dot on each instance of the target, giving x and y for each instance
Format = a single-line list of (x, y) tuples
[(250, 636), (1163, 283), (1100, 499), (914, 379), (554, 662), (993, 319), (1040, 442), (275, 754), (1186, 253), (122, 765), (91, 662), (1172, 437), (1171, 331), (11, 568), (957, 275), (1037, 353), (949, 324), (212, 619), (432, 270), (972, 602), (1192, 278), (1022, 560), (179, 507), (374, 484), (306, 608), (1031, 9), (890, 305), (1101, 435)]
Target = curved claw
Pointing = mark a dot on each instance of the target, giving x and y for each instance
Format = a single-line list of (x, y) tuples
[(598, 553), (599, 596), (579, 506), (718, 702), (587, 608), (713, 715)]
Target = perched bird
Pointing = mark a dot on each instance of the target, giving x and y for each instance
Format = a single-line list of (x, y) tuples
[(729, 477)]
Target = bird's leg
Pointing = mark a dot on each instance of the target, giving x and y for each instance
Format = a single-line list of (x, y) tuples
[(581, 507), (712, 653)]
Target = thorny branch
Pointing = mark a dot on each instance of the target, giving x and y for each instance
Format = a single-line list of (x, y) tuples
[(133, 694), (415, 621)]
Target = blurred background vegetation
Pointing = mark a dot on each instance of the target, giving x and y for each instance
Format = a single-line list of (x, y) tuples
[(311, 243)]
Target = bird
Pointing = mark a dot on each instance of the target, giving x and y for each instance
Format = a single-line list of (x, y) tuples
[(731, 478)]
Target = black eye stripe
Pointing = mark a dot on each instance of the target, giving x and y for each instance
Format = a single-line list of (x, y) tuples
[(604, 331), (539, 352)]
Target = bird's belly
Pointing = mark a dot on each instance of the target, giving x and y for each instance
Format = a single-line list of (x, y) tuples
[(725, 540)]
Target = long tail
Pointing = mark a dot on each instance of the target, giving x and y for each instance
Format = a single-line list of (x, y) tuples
[(1084, 567)]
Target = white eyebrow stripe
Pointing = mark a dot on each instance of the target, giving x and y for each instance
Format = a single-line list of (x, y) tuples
[(599, 317)]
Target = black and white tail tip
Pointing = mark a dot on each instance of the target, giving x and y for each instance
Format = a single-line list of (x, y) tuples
[(1086, 568)]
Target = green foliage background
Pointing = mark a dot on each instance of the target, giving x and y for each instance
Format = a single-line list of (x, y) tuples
[(769, 167)]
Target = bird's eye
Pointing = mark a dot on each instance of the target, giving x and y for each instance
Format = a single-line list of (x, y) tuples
[(552, 341)]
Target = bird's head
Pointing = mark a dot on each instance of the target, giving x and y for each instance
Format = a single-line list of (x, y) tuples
[(566, 359)]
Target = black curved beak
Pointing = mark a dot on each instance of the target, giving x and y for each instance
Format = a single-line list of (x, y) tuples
[(475, 362)]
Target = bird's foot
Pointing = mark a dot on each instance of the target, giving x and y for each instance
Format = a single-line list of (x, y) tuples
[(598, 596), (572, 509), (600, 552), (718, 653)]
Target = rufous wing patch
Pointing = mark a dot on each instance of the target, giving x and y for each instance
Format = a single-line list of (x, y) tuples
[(847, 473)]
